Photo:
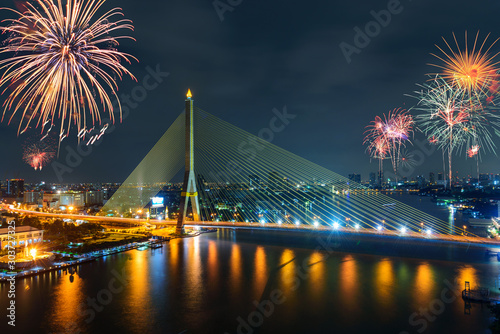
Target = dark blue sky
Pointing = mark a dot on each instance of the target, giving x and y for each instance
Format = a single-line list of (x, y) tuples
[(264, 55)]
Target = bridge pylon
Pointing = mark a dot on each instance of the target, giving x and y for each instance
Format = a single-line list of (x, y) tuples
[(189, 191)]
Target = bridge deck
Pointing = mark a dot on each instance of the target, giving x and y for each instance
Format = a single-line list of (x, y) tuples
[(270, 226)]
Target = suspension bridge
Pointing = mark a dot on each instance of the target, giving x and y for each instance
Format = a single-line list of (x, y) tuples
[(234, 179)]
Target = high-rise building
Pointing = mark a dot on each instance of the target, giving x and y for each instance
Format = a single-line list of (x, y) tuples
[(355, 177), (15, 188), (380, 180), (373, 178), (440, 177), (421, 180), (432, 178)]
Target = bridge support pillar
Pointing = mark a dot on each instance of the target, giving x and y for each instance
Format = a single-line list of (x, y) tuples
[(189, 191)]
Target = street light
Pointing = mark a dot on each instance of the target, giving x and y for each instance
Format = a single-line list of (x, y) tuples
[(33, 253)]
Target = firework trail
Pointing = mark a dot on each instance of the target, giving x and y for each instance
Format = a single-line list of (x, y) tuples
[(61, 60)]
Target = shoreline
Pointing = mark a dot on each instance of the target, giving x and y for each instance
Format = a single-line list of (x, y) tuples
[(4, 277)]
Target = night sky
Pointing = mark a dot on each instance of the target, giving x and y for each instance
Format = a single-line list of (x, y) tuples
[(265, 55)]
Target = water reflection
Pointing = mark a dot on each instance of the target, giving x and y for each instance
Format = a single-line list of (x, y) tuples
[(138, 297), (67, 310), (213, 263), (344, 293), (287, 273), (349, 284), (235, 269), (260, 271), (384, 286), (193, 274), (317, 274), (424, 285)]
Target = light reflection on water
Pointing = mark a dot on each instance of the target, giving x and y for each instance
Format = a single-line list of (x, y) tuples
[(204, 284)]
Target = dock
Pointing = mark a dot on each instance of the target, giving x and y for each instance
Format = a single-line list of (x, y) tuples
[(481, 295)]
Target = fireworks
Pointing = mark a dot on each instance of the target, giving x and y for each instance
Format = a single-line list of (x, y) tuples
[(62, 62), (473, 151), (407, 159), (38, 154), (387, 136), (470, 70), (445, 115)]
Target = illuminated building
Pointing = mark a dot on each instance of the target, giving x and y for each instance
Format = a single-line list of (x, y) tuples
[(25, 235)]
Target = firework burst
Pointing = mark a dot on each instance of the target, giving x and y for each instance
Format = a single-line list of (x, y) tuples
[(407, 159), (473, 151), (38, 154), (472, 70), (61, 63), (386, 136), (445, 116)]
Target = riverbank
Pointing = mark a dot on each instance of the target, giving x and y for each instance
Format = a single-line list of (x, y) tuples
[(77, 259)]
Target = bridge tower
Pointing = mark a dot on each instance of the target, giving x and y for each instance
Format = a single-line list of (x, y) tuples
[(189, 190)]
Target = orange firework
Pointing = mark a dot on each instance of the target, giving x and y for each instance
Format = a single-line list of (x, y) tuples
[(472, 70)]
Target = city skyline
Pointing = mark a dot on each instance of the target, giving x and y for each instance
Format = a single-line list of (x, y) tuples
[(327, 99)]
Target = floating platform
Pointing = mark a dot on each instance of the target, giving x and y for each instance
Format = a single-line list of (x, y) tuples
[(481, 295)]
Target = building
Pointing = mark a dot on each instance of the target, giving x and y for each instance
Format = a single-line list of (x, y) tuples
[(75, 199), (441, 181), (373, 178), (50, 200), (432, 178), (421, 181), (33, 197), (355, 177), (94, 198), (15, 188), (71, 198), (24, 236), (380, 180), (484, 179)]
